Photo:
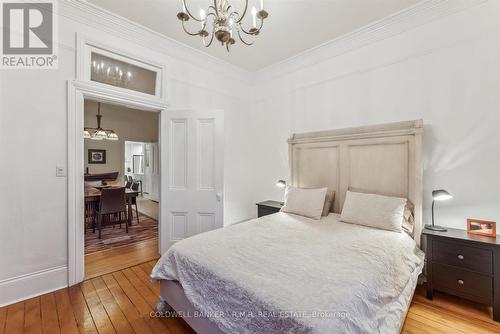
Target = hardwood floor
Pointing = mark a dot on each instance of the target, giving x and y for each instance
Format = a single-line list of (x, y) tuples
[(121, 302), (108, 261), (448, 314)]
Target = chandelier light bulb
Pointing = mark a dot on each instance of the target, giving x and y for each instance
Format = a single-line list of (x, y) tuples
[(254, 16), (261, 4)]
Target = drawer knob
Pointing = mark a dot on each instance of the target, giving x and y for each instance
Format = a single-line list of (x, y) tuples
[(460, 282), (460, 257)]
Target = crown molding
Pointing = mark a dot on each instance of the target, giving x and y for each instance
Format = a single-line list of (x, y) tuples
[(410, 18), (91, 15), (404, 20)]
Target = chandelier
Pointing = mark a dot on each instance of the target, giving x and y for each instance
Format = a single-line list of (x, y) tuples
[(226, 22), (99, 133)]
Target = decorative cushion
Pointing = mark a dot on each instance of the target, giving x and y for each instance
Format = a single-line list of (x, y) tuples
[(305, 202), (374, 210)]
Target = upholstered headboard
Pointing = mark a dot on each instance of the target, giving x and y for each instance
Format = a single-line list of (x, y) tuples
[(384, 159)]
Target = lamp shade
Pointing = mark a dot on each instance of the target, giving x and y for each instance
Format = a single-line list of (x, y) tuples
[(100, 134), (441, 195), (112, 135), (281, 183)]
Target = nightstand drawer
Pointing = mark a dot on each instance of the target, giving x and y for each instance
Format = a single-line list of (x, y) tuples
[(459, 255), (473, 286)]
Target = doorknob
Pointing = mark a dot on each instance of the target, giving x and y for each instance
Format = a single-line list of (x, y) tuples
[(219, 197)]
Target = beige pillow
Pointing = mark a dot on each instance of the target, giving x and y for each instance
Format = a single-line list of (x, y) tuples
[(374, 210), (328, 206), (408, 224), (305, 202)]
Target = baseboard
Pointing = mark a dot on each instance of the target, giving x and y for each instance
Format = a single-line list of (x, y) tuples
[(27, 286)]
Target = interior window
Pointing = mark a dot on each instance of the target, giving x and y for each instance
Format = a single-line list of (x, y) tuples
[(121, 74)]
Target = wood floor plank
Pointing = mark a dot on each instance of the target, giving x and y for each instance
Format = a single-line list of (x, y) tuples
[(118, 319), (81, 311), (133, 316), (420, 324), (99, 315), (50, 320), (145, 292), (32, 316), (454, 322), (154, 287), (146, 268), (67, 321), (3, 317), (173, 324), (140, 303), (14, 323)]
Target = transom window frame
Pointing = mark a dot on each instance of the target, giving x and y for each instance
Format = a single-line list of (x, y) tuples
[(86, 46)]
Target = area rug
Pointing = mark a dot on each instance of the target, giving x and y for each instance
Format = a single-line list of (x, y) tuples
[(117, 237)]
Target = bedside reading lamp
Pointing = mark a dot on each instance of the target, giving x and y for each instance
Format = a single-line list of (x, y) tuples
[(438, 195), (281, 184)]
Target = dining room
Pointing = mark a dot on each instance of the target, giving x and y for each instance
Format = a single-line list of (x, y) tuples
[(121, 176)]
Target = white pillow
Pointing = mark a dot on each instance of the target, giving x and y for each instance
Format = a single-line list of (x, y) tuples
[(374, 210), (305, 202)]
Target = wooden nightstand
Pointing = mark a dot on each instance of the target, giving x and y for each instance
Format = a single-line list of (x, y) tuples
[(268, 207), (463, 265)]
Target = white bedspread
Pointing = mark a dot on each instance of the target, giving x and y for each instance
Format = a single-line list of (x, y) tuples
[(289, 274)]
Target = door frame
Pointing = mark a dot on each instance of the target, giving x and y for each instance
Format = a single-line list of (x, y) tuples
[(78, 91)]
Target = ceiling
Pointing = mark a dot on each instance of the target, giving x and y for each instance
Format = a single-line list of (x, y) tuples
[(293, 26)]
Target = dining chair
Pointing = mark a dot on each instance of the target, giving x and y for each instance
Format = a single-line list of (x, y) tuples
[(135, 187), (91, 206), (112, 203)]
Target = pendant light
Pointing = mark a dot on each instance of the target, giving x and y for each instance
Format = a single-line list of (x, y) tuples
[(99, 133)]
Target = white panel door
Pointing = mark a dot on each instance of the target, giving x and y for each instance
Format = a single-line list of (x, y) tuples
[(194, 185)]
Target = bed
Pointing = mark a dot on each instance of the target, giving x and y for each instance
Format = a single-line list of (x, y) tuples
[(285, 273)]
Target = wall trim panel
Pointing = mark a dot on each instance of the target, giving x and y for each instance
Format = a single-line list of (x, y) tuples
[(34, 284)]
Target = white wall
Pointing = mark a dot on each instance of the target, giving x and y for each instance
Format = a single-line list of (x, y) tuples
[(446, 72), (33, 140), (129, 124)]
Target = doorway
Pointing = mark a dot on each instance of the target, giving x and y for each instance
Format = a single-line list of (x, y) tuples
[(115, 158), (191, 161)]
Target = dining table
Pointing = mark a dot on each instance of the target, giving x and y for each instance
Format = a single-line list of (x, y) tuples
[(93, 196)]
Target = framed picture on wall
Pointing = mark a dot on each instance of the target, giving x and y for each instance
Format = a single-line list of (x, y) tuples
[(97, 156), (482, 227)]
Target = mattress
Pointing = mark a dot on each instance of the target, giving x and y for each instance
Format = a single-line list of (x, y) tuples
[(285, 273)]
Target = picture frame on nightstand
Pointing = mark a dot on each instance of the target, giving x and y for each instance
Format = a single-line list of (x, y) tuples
[(482, 227)]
